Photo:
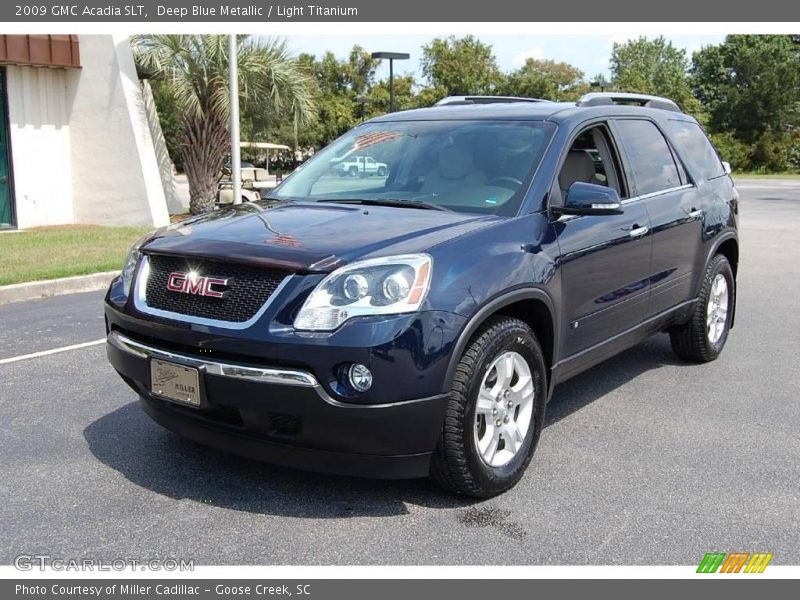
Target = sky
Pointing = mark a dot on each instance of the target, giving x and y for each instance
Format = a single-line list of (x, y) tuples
[(590, 53)]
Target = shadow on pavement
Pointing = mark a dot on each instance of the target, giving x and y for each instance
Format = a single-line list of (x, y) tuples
[(156, 459), (583, 389), (151, 457)]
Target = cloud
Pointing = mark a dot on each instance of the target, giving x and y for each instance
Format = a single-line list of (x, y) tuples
[(536, 53)]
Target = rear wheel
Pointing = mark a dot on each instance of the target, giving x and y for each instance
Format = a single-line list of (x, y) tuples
[(703, 337), (495, 411)]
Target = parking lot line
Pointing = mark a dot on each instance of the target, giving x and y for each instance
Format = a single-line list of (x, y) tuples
[(14, 359)]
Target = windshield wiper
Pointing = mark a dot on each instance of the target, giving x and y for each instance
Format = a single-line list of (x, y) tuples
[(387, 202)]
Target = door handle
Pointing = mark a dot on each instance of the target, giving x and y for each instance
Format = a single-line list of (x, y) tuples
[(695, 213), (638, 231)]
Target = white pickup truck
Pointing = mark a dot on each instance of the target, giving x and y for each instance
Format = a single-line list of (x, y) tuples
[(360, 165)]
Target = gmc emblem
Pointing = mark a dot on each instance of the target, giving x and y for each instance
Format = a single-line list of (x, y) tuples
[(198, 285)]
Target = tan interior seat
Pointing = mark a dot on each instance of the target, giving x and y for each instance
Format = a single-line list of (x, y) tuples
[(455, 170), (578, 167)]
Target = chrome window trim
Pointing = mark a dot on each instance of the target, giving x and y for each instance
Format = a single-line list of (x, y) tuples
[(626, 201), (649, 195), (140, 302), (268, 375)]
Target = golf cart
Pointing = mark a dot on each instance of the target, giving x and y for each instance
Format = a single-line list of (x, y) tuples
[(256, 181)]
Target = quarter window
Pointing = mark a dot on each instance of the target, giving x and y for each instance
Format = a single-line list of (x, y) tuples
[(649, 156), (693, 143)]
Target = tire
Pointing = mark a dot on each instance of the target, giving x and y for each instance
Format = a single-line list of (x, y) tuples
[(381, 171), (696, 340), (459, 464), (353, 172)]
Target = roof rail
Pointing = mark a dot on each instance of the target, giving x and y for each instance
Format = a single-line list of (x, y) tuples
[(456, 100), (606, 98)]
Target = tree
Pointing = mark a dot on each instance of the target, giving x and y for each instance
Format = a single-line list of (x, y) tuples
[(360, 70), (378, 97), (750, 85), (546, 79), (341, 86), (653, 67), (428, 96), (460, 66), (169, 117), (194, 72)]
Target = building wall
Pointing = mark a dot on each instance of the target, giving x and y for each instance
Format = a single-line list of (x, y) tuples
[(38, 114), (81, 143), (116, 180)]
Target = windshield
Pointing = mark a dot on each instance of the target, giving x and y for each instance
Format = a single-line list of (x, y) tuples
[(468, 166)]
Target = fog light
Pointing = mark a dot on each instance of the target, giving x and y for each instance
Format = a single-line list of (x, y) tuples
[(360, 377)]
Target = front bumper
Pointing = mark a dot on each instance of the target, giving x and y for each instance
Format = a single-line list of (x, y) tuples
[(284, 416)]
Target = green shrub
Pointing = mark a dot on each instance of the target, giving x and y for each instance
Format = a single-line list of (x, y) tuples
[(733, 151), (775, 152)]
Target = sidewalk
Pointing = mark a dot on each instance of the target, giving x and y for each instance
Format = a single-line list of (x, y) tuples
[(33, 290)]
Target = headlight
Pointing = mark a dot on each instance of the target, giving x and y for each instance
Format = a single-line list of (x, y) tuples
[(378, 286), (130, 263)]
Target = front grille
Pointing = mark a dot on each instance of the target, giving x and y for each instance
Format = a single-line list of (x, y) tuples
[(248, 290)]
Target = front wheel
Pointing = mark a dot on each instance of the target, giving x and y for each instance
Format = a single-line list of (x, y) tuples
[(495, 411), (703, 337)]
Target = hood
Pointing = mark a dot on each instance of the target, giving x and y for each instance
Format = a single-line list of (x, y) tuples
[(310, 237)]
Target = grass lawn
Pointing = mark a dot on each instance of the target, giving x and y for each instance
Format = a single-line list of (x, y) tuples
[(63, 251)]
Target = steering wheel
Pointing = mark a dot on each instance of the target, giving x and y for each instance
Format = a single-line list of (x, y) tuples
[(515, 183)]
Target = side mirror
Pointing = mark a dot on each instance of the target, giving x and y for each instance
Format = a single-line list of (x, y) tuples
[(727, 166), (590, 199)]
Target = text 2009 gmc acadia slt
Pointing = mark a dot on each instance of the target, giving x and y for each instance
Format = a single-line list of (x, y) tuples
[(416, 322)]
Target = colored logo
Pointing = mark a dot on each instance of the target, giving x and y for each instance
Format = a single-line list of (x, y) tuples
[(198, 285), (734, 562)]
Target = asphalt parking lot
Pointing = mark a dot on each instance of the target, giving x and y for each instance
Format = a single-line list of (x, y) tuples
[(644, 460)]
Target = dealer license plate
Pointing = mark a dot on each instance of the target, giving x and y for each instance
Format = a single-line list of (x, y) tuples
[(175, 382)]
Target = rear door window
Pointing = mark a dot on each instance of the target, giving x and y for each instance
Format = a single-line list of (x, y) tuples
[(694, 145), (649, 158)]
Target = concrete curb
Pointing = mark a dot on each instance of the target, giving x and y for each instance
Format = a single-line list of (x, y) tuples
[(33, 290)]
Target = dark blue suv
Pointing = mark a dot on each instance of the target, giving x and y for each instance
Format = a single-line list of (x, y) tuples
[(414, 319)]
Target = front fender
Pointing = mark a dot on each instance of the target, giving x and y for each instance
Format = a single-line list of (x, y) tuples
[(492, 307)]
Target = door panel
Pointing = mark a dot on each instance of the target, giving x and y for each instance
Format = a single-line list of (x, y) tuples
[(676, 219), (605, 274), (673, 206)]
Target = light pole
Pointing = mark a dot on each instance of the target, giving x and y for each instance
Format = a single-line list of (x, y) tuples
[(392, 56)]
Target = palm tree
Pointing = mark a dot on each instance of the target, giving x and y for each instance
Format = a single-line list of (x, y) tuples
[(194, 69)]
